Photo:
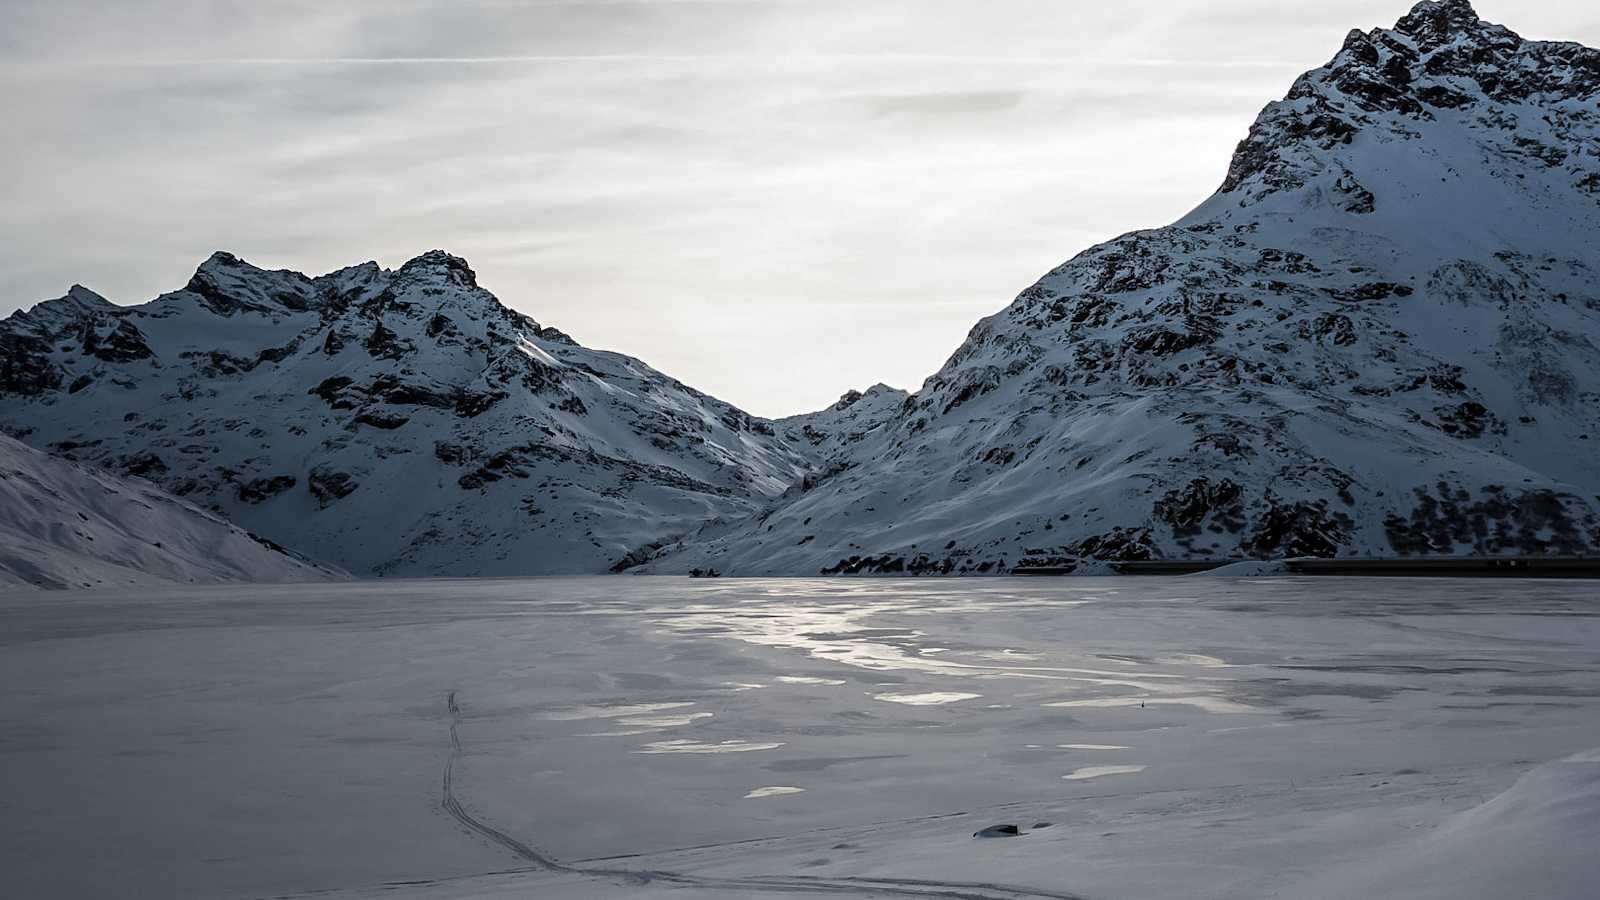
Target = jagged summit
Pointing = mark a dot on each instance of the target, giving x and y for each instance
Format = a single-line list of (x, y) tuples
[(1439, 67), (227, 285), (1381, 337), (82, 295), (439, 266), (77, 301), (389, 421), (1433, 23)]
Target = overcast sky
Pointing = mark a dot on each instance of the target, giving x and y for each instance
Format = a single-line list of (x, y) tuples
[(772, 200)]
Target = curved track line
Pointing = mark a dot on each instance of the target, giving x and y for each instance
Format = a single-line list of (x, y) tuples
[(799, 884)]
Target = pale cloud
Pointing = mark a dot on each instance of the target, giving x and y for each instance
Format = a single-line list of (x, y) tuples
[(773, 200)]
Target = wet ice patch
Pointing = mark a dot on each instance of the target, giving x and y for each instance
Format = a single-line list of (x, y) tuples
[(647, 724), (933, 698), (663, 721), (699, 747), (1088, 772), (608, 711), (1006, 655), (1209, 704), (807, 679), (1195, 659), (758, 793)]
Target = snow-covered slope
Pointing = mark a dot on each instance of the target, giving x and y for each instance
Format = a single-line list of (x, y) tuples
[(1531, 841), (67, 525), (1379, 337), (386, 421), (834, 432)]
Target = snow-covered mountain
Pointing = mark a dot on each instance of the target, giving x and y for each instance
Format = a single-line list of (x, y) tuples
[(833, 433), (1379, 337), (67, 525), (386, 421)]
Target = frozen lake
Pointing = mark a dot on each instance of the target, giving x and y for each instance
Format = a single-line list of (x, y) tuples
[(642, 737)]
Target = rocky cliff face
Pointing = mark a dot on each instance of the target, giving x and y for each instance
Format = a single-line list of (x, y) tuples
[(1379, 337), (387, 421)]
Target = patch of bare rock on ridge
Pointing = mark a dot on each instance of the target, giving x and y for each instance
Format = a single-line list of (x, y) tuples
[(1378, 338)]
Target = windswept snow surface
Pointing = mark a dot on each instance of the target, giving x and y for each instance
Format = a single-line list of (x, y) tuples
[(64, 525), (613, 738), (1380, 337)]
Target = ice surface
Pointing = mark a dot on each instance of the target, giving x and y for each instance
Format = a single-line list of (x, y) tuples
[(1358, 738)]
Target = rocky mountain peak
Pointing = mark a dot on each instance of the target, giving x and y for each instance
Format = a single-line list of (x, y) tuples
[(226, 285), (78, 299), (1378, 339), (438, 265), (85, 297), (50, 315), (1434, 23), (1439, 67), (393, 420)]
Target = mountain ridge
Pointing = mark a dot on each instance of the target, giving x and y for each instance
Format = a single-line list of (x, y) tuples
[(1377, 338), (397, 421)]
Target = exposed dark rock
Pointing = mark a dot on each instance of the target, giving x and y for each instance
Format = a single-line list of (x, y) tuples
[(1377, 290), (1187, 508), (469, 404), (384, 343), (385, 421), (1336, 329), (440, 324), (1117, 545), (331, 390), (1494, 523), (452, 453), (638, 556), (259, 489), (142, 465), (25, 366), (278, 354), (328, 485), (1299, 529), (556, 336), (420, 395), (114, 340), (215, 363), (1466, 420)]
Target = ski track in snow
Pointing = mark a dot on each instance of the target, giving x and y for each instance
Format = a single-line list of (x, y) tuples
[(897, 887)]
